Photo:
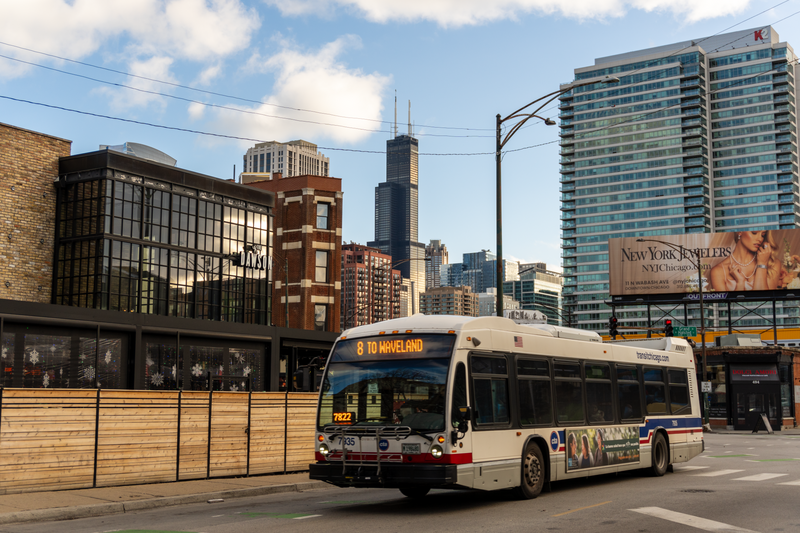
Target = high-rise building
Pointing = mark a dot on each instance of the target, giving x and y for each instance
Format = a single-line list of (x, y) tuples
[(435, 257), (449, 301), (396, 214), (697, 136), (370, 286), (294, 158), (487, 302), (477, 270), (539, 289)]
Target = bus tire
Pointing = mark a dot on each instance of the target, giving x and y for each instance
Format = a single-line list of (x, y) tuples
[(415, 492), (659, 455), (532, 473)]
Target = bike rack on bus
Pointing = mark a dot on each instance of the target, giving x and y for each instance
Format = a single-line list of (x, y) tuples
[(397, 432)]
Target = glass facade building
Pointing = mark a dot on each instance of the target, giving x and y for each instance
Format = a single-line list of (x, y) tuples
[(397, 214), (696, 137)]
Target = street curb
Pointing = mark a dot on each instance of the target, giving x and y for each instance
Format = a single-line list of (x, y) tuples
[(103, 509)]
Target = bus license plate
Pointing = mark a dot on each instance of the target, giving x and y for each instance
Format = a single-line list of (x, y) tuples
[(410, 449)]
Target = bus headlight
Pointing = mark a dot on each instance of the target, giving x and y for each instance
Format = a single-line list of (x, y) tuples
[(436, 451), (323, 449)]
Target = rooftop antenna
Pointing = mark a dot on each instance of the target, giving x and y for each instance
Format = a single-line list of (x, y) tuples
[(395, 113), (409, 118)]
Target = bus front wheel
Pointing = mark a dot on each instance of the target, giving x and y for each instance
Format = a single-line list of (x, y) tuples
[(659, 455), (415, 492), (532, 475)]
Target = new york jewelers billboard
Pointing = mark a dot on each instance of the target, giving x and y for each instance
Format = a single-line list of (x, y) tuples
[(731, 262)]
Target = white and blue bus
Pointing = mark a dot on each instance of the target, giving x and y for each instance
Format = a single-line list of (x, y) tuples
[(484, 403)]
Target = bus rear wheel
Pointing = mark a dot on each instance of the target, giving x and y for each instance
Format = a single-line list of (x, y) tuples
[(659, 456), (532, 474), (415, 492)]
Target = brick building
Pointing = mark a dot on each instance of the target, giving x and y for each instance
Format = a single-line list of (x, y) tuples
[(370, 287), (449, 301), (124, 273), (28, 165), (307, 250)]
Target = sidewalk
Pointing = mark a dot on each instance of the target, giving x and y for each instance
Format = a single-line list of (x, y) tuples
[(84, 503), (761, 431)]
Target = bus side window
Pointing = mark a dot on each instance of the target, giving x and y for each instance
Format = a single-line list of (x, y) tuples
[(679, 393), (459, 392), (491, 390), (569, 393), (535, 396), (654, 391), (599, 393), (630, 400)]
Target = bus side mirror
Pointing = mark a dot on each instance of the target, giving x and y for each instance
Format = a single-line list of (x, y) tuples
[(464, 415)]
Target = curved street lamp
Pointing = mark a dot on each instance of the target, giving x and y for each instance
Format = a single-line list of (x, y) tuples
[(694, 257), (522, 117)]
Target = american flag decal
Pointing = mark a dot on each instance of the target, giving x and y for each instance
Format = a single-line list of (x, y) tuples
[(517, 342)]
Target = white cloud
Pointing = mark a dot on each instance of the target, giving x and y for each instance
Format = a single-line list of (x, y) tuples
[(209, 74), (312, 80), (455, 13), (157, 68), (196, 110), (198, 30)]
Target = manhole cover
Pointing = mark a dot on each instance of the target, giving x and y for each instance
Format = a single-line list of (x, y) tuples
[(696, 490)]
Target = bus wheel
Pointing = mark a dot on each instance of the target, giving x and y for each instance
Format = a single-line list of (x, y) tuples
[(532, 472), (415, 492), (659, 456)]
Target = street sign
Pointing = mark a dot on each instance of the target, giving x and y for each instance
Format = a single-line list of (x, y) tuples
[(705, 386), (684, 331)]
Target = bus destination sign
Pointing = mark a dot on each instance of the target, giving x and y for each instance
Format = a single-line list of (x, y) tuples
[(390, 346)]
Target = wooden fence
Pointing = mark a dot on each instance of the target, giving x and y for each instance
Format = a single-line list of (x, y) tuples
[(69, 438)]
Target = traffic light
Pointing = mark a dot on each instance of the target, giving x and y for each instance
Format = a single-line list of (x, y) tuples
[(612, 326), (668, 328)]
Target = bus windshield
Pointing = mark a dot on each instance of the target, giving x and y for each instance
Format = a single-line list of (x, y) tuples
[(388, 380)]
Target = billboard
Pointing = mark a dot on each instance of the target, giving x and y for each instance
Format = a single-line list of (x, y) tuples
[(594, 447), (731, 262)]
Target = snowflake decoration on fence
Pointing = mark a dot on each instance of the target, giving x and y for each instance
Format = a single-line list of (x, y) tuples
[(239, 357), (61, 372), (5, 352), (221, 370), (149, 361), (53, 348), (234, 387), (88, 373), (174, 371), (157, 379), (108, 357), (46, 380), (242, 385), (82, 357), (34, 357), (247, 371), (197, 371)]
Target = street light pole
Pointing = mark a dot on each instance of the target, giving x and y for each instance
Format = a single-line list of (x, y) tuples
[(696, 263), (522, 117)]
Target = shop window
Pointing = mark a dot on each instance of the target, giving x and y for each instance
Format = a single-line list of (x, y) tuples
[(7, 361), (209, 226), (181, 284), (155, 281), (184, 220), (46, 361), (208, 288), (155, 226), (127, 216), (103, 366), (163, 369)]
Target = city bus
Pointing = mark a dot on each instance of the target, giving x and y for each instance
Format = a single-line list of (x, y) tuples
[(485, 403)]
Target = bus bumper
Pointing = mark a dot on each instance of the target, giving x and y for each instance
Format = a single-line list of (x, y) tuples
[(391, 475)]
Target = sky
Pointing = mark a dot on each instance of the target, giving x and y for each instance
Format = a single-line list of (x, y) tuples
[(203, 80)]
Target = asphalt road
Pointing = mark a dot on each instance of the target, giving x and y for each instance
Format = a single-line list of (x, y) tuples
[(742, 482)]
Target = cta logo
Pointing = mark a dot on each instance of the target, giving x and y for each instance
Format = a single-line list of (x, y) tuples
[(383, 445), (554, 441)]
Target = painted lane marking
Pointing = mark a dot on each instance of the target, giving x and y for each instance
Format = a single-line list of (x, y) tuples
[(718, 473), (688, 468), (307, 516), (737, 455), (689, 520), (582, 508), (760, 477), (794, 483)]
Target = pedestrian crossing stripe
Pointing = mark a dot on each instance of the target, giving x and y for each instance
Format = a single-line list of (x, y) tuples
[(279, 515), (760, 477), (689, 520), (718, 473)]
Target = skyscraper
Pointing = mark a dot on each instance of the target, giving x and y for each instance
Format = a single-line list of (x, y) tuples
[(294, 158), (435, 257), (396, 213), (697, 136)]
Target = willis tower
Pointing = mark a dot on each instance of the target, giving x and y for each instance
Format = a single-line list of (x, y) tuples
[(396, 213)]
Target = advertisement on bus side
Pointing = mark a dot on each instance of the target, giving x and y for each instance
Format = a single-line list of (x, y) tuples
[(594, 447)]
